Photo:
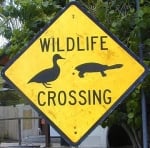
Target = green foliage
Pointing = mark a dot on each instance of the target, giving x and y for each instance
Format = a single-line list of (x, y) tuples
[(21, 21), (10, 97), (133, 110), (128, 112)]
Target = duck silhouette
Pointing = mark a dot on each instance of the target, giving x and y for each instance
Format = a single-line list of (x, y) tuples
[(48, 75)]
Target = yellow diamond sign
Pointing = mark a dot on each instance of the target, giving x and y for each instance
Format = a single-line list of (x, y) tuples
[(75, 72)]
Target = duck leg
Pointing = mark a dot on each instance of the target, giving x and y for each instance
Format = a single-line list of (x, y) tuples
[(46, 85)]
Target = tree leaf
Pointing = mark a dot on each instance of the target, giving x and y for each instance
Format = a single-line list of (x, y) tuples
[(131, 115)]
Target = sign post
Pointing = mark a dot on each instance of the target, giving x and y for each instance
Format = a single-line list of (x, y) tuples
[(72, 71), (143, 99)]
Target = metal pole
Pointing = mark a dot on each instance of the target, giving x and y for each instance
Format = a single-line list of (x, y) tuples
[(143, 101), (47, 134), (144, 121), (19, 130)]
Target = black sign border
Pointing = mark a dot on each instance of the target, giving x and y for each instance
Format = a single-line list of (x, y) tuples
[(122, 98)]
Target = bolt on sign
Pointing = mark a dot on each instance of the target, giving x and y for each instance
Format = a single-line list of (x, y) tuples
[(75, 72)]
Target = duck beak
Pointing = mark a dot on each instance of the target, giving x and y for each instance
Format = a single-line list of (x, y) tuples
[(62, 58)]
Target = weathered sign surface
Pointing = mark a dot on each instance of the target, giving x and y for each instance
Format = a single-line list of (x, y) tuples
[(75, 72)]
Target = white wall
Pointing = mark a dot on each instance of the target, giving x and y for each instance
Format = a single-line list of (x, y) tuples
[(9, 128), (96, 139)]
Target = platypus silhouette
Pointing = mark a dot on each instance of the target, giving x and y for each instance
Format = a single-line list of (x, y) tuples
[(95, 67)]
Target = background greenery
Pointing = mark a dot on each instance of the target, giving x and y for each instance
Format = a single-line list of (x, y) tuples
[(21, 20)]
